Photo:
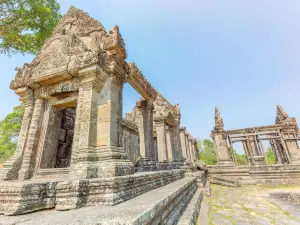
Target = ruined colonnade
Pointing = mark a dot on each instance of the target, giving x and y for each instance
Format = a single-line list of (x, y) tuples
[(282, 136)]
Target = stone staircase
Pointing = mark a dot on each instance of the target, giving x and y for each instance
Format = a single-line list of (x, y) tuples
[(178, 202), (224, 181)]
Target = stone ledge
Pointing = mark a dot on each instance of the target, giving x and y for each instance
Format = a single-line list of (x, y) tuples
[(163, 204), (191, 213), (203, 217), (111, 191), (26, 196)]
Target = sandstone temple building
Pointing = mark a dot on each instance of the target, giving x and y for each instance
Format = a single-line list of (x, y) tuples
[(78, 161), (75, 150), (283, 138)]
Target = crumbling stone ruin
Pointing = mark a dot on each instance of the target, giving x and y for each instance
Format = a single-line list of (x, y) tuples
[(282, 136), (75, 149)]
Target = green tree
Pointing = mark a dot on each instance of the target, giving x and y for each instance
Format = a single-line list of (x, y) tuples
[(208, 152), (25, 24), (270, 156), (240, 158), (9, 133)]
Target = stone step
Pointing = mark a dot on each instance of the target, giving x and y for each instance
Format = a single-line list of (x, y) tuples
[(190, 215), (203, 218), (163, 205), (230, 182), (213, 181)]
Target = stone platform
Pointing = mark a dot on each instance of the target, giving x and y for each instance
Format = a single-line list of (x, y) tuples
[(259, 174), (18, 197), (112, 190), (164, 205)]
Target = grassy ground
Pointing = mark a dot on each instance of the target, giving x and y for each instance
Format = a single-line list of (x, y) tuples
[(247, 205)]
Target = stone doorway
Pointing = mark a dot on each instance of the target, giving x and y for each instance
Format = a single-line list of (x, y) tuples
[(65, 137), (58, 142)]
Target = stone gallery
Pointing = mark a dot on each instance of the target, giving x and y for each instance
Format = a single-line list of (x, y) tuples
[(75, 150), (282, 137)]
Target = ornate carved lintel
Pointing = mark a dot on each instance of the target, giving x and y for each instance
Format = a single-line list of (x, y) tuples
[(138, 81)]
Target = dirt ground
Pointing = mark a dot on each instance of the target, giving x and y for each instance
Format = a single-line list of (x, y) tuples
[(252, 205)]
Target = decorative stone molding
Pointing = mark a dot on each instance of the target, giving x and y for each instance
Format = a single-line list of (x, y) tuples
[(138, 81)]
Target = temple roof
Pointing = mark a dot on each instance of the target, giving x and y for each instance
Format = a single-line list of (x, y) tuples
[(77, 41)]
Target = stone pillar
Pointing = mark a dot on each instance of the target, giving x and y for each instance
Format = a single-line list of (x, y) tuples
[(28, 163), (220, 140), (223, 158), (291, 145), (189, 160), (11, 167), (192, 150), (177, 147), (247, 152), (183, 143), (146, 162), (258, 159), (278, 156), (97, 148), (195, 149), (170, 148), (160, 125)]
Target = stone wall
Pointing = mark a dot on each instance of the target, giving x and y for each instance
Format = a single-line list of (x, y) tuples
[(130, 139)]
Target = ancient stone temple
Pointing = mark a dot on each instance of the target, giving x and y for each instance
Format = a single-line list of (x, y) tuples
[(75, 149), (282, 137)]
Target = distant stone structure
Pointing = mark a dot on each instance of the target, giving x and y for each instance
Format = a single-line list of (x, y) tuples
[(282, 136), (76, 150)]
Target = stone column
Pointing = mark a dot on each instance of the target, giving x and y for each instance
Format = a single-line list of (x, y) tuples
[(220, 140), (247, 152), (223, 158), (192, 152), (183, 143), (160, 125), (28, 163), (177, 147), (146, 162), (189, 160), (291, 145), (195, 149), (11, 167), (278, 156), (258, 159), (170, 146), (97, 148)]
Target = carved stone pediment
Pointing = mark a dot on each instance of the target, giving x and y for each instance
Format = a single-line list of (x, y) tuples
[(283, 118), (23, 77), (219, 124), (75, 43)]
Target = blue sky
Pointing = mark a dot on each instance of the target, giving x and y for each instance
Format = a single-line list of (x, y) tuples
[(240, 55)]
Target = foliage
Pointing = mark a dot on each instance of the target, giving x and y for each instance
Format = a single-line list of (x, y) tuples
[(270, 156), (241, 159), (9, 133), (208, 152), (25, 24)]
